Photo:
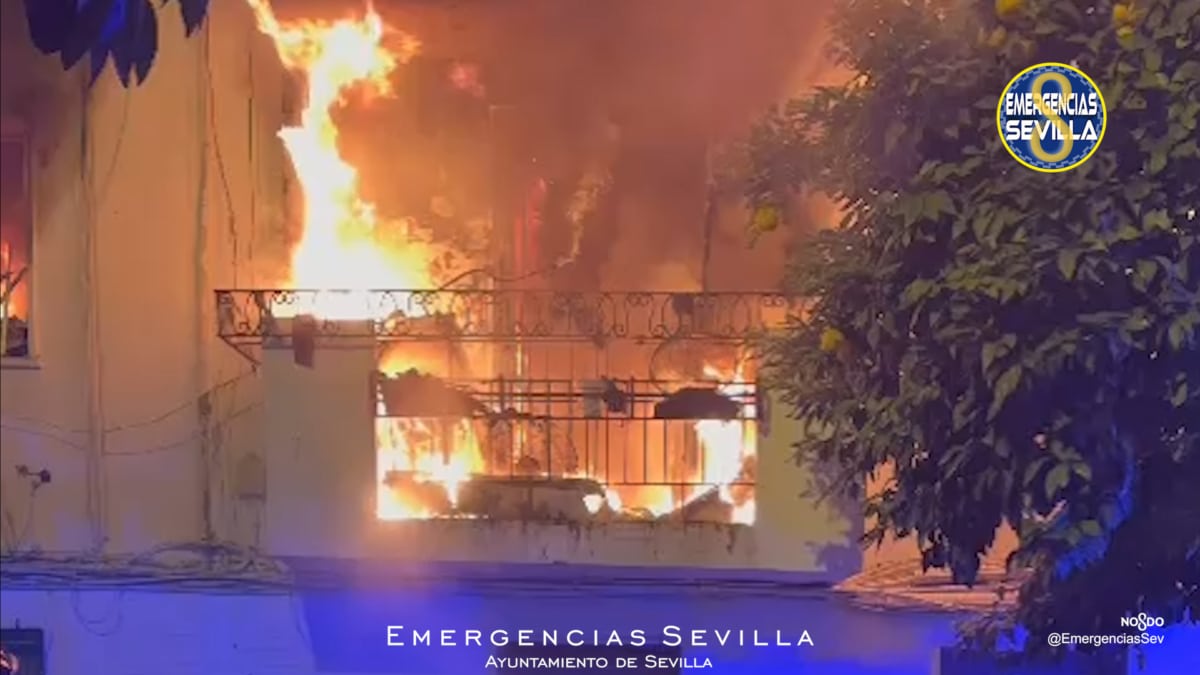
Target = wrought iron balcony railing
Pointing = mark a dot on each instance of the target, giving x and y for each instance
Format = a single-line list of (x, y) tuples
[(251, 316)]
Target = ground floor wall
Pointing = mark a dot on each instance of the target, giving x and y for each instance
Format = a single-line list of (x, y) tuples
[(144, 632), (139, 631)]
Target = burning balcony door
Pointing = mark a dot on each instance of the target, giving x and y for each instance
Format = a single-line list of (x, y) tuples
[(488, 427), (561, 444)]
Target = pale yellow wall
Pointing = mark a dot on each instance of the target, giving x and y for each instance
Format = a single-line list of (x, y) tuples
[(35, 92), (320, 461), (135, 181)]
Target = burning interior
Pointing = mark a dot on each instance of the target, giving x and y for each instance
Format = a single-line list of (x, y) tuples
[(507, 386), (528, 418)]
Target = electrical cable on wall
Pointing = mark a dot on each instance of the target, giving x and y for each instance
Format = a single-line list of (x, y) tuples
[(106, 181), (154, 449), (90, 624), (140, 424), (210, 116), (18, 537), (92, 200), (200, 367)]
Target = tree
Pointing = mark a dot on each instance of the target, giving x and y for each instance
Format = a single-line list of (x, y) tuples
[(125, 31), (1016, 347)]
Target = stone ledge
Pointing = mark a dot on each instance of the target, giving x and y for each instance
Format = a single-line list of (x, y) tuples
[(903, 585)]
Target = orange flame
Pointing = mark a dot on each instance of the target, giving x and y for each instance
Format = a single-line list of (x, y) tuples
[(728, 457), (346, 245), (340, 246), (729, 446), (410, 447)]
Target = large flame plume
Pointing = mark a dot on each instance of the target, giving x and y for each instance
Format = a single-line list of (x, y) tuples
[(348, 247), (344, 244)]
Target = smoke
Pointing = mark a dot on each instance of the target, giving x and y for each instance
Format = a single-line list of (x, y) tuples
[(612, 104)]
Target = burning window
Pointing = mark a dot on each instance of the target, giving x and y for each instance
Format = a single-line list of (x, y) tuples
[(545, 429), (501, 394), (16, 230)]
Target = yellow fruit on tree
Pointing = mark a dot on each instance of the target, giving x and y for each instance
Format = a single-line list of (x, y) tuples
[(1009, 8), (766, 219), (832, 340), (997, 37), (1124, 14)]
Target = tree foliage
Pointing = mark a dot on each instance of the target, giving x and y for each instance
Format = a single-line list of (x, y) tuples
[(1016, 347), (123, 31)]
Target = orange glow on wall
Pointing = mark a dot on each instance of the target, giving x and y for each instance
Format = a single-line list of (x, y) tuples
[(15, 244)]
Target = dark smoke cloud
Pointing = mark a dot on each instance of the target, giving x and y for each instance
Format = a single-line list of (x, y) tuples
[(671, 75)]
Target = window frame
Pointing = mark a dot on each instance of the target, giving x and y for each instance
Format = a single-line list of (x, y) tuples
[(15, 128)]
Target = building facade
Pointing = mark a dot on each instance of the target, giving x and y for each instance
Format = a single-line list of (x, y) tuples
[(191, 461)]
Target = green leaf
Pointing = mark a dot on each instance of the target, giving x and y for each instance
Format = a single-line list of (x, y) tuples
[(1127, 233), (909, 207), (1153, 60), (1068, 260), (1091, 528), (1144, 274), (1183, 11), (1157, 220), (1065, 453), (997, 349), (982, 223), (915, 292), (1005, 386), (1138, 189), (1157, 161), (937, 203), (1083, 470), (1071, 10), (1046, 28), (952, 461), (963, 414), (1178, 333), (825, 431), (1180, 396), (1189, 148), (1034, 469), (1056, 480), (1073, 536), (1188, 71)]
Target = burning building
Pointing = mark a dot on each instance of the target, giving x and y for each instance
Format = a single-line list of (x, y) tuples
[(485, 307), (414, 375), (481, 306)]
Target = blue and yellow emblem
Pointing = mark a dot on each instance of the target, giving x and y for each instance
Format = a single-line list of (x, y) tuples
[(1051, 117)]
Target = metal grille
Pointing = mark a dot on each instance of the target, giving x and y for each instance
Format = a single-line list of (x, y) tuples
[(546, 405)]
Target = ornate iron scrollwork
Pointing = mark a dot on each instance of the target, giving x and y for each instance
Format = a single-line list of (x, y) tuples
[(251, 316)]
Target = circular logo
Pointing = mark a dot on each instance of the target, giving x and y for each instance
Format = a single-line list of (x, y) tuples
[(1051, 117)]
